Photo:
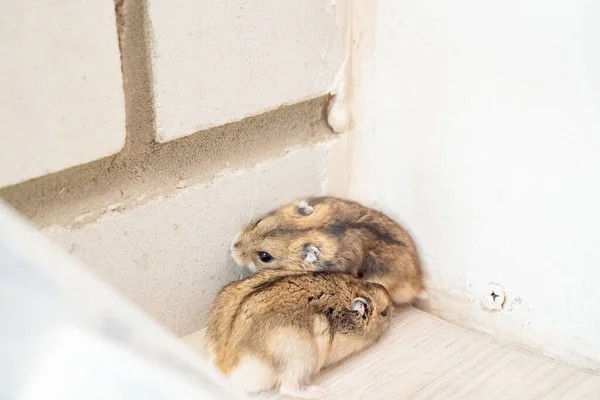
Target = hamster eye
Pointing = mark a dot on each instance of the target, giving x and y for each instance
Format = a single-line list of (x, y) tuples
[(384, 313), (264, 256)]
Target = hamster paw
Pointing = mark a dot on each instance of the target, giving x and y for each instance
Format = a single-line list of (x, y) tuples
[(310, 392), (304, 208), (310, 253)]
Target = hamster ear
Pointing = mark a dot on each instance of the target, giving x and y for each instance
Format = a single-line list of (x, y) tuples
[(362, 305), (303, 208), (310, 253)]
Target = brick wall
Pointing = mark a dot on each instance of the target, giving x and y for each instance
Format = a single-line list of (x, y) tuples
[(141, 135)]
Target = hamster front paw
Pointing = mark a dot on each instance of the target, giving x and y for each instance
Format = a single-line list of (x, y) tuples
[(304, 208), (310, 254)]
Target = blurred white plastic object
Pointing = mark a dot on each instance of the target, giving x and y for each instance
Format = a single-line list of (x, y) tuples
[(66, 335)]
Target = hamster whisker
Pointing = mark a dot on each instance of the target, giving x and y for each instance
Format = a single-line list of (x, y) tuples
[(251, 211)]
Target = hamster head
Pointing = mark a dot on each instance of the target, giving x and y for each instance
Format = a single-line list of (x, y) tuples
[(282, 239)]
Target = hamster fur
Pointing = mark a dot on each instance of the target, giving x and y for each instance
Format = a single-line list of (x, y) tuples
[(332, 234), (280, 328)]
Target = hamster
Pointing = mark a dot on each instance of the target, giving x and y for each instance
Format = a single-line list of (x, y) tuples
[(332, 234), (280, 328)]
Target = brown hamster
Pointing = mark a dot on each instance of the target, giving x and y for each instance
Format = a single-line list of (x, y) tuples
[(280, 328), (332, 234)]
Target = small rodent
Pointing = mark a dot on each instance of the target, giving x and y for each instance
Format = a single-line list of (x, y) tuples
[(332, 234), (280, 328)]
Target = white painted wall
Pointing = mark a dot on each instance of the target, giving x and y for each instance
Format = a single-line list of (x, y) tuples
[(478, 124)]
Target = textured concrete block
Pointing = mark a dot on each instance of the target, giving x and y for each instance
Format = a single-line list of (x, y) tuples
[(62, 96), (216, 62), (171, 256)]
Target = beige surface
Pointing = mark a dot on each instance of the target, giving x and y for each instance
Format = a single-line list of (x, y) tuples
[(62, 90), (224, 61), (424, 357)]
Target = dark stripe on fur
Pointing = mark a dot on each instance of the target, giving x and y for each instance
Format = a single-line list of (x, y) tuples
[(338, 229)]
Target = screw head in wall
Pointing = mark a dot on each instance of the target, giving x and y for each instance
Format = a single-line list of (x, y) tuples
[(493, 297)]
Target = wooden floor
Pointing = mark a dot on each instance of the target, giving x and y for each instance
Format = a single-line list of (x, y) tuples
[(423, 357)]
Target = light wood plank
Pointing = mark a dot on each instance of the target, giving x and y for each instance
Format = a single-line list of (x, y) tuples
[(423, 357)]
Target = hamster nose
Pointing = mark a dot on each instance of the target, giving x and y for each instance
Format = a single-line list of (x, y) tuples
[(235, 245)]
